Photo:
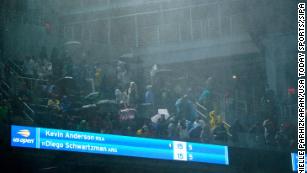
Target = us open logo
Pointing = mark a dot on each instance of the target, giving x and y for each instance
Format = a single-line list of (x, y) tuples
[(24, 133), (22, 137)]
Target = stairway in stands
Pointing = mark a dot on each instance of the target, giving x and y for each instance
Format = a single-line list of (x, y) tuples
[(9, 83), (203, 112)]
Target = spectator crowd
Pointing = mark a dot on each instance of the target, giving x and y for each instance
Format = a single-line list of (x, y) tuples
[(107, 98)]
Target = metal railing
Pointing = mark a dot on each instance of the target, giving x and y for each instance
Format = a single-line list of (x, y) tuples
[(11, 90), (4, 88), (28, 111), (17, 69)]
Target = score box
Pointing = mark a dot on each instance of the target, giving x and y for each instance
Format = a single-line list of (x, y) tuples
[(99, 143), (180, 150)]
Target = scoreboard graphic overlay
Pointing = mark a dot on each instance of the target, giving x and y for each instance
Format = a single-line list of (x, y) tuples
[(75, 141)]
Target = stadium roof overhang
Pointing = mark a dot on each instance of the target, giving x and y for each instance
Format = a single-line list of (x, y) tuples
[(197, 50)]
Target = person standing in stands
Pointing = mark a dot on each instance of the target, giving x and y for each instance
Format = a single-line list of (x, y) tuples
[(132, 95), (235, 130), (43, 54), (149, 95), (57, 64), (121, 98), (256, 132), (269, 131), (206, 97), (29, 66), (118, 96), (98, 75), (213, 119), (185, 108), (68, 70)]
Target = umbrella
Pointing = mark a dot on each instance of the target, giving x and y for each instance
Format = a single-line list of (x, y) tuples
[(106, 102), (66, 85), (107, 106), (130, 58), (72, 48), (88, 106), (164, 72), (72, 43), (92, 96), (66, 81)]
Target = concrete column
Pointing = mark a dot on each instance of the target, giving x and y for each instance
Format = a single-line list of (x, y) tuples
[(191, 23), (109, 30), (136, 31)]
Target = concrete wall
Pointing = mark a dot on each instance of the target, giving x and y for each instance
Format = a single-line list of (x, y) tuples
[(25, 30), (121, 27)]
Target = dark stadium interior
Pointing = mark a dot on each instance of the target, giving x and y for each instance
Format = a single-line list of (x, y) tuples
[(206, 71)]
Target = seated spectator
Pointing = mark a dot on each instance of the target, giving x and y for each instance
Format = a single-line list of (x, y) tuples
[(183, 131), (49, 88), (283, 136), (165, 100), (161, 127), (83, 126), (65, 104), (45, 69), (54, 103), (205, 135), (172, 129), (144, 131), (219, 132), (256, 133), (25, 93), (195, 131), (128, 131)]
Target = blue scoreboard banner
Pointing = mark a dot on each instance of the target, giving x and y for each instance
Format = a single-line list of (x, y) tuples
[(65, 140)]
